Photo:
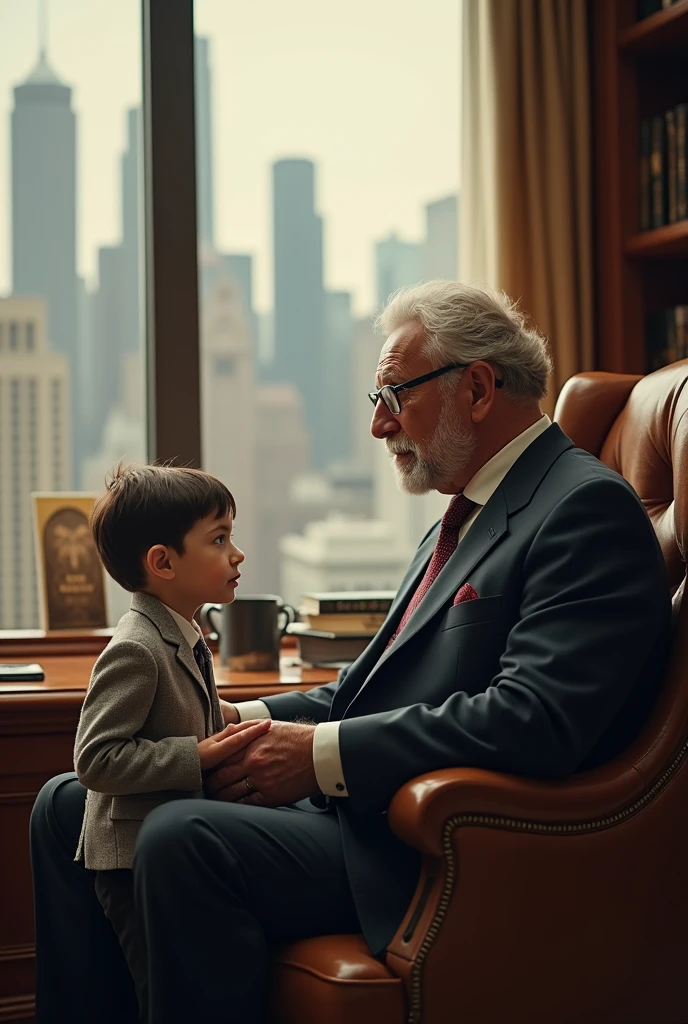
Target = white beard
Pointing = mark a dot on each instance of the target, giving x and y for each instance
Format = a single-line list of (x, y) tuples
[(436, 462)]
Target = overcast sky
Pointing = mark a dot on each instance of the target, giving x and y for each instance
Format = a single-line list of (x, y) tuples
[(369, 89)]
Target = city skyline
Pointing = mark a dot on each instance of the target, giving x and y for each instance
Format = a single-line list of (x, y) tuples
[(370, 183)]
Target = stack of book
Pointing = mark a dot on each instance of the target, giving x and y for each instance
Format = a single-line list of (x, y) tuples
[(337, 626), (663, 194), (666, 336)]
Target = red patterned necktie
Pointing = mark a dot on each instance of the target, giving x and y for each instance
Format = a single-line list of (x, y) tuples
[(457, 513)]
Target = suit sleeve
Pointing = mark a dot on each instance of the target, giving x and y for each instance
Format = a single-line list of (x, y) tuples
[(109, 756), (313, 705), (594, 603)]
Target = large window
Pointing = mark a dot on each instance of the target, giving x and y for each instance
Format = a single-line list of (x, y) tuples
[(327, 141), (72, 392)]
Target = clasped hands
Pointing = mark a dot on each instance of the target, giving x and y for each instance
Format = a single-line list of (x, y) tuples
[(277, 758)]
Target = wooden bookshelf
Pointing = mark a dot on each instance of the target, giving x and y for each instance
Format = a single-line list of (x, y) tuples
[(639, 70)]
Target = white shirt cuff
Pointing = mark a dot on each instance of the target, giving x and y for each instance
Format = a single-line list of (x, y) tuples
[(250, 710), (327, 761)]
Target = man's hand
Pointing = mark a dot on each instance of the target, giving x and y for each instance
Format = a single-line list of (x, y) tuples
[(230, 742), (278, 765)]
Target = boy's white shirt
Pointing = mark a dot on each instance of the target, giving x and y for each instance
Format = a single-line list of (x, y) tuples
[(189, 630), (327, 761)]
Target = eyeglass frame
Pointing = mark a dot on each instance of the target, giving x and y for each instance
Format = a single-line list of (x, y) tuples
[(414, 382)]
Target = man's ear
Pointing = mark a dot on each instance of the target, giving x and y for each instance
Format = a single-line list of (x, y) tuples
[(482, 384), (158, 562)]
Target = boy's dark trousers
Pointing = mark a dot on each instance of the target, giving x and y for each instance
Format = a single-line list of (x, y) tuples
[(215, 884), (115, 892)]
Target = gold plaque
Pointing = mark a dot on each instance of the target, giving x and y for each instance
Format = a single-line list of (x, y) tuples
[(70, 573)]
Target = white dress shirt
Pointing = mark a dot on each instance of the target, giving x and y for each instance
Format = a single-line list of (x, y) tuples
[(189, 630), (327, 761)]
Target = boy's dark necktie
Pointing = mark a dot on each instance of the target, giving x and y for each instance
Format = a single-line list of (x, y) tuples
[(458, 511), (204, 660)]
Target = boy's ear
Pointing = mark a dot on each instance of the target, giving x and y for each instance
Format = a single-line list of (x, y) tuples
[(158, 562)]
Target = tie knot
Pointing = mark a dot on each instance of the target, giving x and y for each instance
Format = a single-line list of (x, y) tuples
[(200, 648), (458, 511)]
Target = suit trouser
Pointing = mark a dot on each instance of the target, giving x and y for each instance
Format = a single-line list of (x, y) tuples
[(115, 892), (215, 884)]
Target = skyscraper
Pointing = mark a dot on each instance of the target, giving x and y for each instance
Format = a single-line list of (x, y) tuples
[(44, 202), (397, 264), (116, 329), (337, 383), (227, 397), (299, 295), (205, 204), (441, 247), (35, 448), (132, 233)]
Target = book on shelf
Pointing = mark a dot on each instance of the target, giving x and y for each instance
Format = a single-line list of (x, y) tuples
[(645, 149), (666, 336), (681, 186), (348, 602), (345, 622), (657, 172), (662, 169), (325, 649)]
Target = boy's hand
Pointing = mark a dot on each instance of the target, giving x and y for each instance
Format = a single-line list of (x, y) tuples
[(229, 712), (230, 742), (279, 767)]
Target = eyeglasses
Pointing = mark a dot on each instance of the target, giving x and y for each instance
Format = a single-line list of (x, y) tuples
[(389, 393)]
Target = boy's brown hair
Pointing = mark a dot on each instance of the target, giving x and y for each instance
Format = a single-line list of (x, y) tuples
[(146, 505)]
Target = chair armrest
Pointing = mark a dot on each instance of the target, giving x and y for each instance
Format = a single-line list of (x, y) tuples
[(420, 809)]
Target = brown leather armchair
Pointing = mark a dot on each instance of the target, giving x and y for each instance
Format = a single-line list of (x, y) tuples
[(538, 901)]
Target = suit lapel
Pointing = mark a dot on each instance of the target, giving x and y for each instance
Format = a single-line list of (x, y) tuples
[(491, 525), (170, 632), (486, 531)]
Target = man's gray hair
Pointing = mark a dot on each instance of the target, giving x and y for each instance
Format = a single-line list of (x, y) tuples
[(462, 323)]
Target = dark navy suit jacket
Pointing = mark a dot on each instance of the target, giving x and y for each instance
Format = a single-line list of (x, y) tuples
[(551, 670)]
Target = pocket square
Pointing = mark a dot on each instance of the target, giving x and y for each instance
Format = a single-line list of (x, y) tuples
[(466, 593)]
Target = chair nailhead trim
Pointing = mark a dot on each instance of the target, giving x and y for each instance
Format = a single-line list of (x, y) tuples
[(515, 825)]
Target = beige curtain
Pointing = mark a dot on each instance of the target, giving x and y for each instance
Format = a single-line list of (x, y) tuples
[(526, 218)]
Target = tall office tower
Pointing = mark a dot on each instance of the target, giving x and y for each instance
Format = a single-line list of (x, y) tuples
[(228, 399), (240, 266), (397, 264), (338, 375), (282, 453), (35, 448), (366, 346), (123, 439), (44, 202), (115, 324), (131, 170), (205, 203), (440, 254), (299, 296)]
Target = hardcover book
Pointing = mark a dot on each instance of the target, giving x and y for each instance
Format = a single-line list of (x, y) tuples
[(336, 601)]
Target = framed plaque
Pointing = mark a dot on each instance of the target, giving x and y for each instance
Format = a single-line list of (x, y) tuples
[(70, 573)]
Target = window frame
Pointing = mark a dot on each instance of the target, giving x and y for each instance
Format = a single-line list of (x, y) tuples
[(172, 325)]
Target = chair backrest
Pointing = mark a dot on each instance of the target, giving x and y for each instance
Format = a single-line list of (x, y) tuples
[(639, 427)]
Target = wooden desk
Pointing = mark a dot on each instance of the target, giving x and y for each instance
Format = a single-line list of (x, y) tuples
[(37, 726)]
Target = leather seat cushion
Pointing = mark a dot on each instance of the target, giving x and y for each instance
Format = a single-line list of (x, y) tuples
[(333, 978)]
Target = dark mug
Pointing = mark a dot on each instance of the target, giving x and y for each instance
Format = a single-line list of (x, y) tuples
[(250, 631)]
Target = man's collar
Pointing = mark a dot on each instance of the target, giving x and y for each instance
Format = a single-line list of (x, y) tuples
[(485, 482)]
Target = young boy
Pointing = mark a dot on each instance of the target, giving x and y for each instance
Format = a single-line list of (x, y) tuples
[(152, 722)]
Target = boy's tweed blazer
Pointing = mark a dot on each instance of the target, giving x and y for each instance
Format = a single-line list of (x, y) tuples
[(146, 709)]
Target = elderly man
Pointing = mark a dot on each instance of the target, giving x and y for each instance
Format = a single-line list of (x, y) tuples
[(528, 636)]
